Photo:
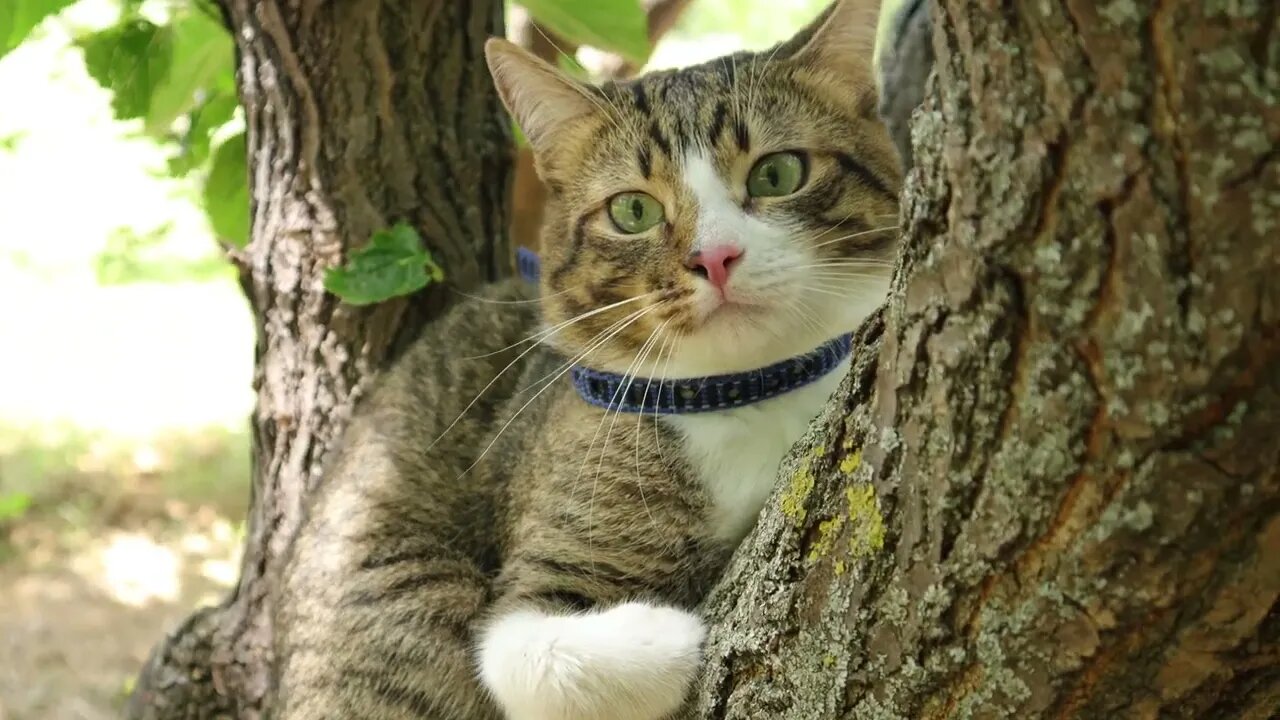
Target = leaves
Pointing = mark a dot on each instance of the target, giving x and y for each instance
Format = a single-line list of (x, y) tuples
[(202, 63), (226, 192), (616, 25), (14, 506), (202, 122), (394, 263), (130, 60), (19, 17)]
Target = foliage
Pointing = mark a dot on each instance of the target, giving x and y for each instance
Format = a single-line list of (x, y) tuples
[(174, 73), (226, 191), (14, 505), (131, 257), (616, 25), (19, 17), (177, 77), (394, 263)]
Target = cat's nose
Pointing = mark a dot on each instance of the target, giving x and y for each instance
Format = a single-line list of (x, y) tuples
[(714, 263)]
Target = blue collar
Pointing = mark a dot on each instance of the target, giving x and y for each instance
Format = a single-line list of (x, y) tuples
[(622, 393)]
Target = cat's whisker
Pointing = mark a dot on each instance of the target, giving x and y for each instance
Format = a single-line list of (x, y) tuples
[(881, 262), (640, 416), (835, 227), (639, 432), (751, 97), (827, 291), (844, 275), (592, 345), (639, 314), (491, 301), (521, 356), (666, 367), (613, 401), (842, 238), (796, 307), (838, 265), (539, 335), (611, 112), (623, 387), (733, 92)]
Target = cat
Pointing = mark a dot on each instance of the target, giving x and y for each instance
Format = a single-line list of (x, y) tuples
[(489, 539)]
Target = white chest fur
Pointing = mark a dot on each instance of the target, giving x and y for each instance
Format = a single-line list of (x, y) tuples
[(736, 453)]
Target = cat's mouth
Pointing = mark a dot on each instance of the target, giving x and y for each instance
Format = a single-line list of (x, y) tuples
[(728, 308)]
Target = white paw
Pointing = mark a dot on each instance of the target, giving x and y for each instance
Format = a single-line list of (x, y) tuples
[(631, 662)]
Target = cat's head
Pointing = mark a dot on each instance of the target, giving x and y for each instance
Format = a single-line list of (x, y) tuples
[(716, 218)]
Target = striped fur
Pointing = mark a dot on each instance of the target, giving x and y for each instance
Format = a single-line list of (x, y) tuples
[(527, 555)]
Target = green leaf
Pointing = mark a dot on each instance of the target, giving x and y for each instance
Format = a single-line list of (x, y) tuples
[(14, 506), (226, 192), (130, 60), (19, 17), (570, 66), (616, 25), (205, 120), (203, 60), (394, 263)]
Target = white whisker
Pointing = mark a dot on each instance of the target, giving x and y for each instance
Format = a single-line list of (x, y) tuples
[(550, 383), (842, 238), (552, 330)]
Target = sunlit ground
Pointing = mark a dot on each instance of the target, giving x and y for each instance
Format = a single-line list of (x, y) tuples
[(125, 367)]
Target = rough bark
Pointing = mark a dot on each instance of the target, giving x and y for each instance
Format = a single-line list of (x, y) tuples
[(1051, 486), (359, 115), (1048, 489)]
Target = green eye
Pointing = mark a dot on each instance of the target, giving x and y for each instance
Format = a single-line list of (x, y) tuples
[(776, 175), (634, 212)]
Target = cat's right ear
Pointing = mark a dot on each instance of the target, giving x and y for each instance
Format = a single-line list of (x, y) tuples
[(545, 102)]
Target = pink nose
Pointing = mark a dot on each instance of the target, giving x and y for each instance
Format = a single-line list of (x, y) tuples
[(714, 263)]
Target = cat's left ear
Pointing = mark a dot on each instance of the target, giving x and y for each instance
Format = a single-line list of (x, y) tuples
[(841, 41), (545, 102)]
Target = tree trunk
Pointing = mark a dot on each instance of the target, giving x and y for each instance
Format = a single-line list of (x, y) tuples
[(1051, 486), (359, 115)]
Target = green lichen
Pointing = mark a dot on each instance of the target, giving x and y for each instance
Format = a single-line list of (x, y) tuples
[(865, 520), (851, 462), (828, 530), (796, 497)]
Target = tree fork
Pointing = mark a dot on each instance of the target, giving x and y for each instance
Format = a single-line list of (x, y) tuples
[(359, 115)]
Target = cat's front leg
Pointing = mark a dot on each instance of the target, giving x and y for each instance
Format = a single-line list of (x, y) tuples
[(632, 661)]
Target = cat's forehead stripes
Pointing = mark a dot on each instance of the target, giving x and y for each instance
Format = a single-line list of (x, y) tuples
[(676, 111)]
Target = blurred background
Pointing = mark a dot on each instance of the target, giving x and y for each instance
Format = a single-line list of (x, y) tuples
[(126, 347)]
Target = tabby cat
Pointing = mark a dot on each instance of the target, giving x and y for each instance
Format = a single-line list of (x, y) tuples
[(495, 537)]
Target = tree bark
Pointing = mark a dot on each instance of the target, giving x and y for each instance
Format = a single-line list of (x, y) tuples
[(359, 115), (1050, 486)]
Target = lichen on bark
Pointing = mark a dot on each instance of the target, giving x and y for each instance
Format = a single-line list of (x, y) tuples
[(1067, 409)]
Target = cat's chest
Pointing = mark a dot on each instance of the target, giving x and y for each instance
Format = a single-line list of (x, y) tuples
[(735, 453)]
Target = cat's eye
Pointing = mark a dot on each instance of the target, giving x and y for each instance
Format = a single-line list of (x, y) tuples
[(634, 212), (776, 175)]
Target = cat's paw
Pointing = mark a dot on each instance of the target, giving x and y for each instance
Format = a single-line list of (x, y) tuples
[(631, 662)]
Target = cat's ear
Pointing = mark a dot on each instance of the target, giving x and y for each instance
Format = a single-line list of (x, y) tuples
[(544, 101), (842, 39)]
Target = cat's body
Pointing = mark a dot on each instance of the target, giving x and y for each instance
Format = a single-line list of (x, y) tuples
[(529, 553)]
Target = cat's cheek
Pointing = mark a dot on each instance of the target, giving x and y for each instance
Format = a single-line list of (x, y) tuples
[(632, 662)]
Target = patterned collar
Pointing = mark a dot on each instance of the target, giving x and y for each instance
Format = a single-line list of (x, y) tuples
[(622, 393)]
